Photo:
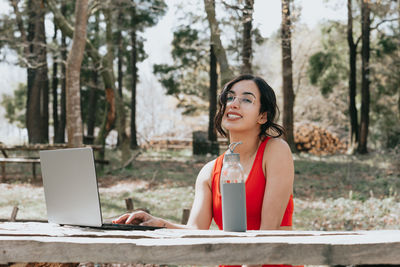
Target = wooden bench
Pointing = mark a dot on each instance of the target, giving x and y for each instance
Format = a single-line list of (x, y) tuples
[(3, 162), (33, 160)]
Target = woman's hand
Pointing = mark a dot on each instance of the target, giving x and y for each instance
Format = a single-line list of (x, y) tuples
[(140, 218)]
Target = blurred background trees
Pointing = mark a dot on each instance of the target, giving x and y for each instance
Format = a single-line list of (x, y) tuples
[(343, 75)]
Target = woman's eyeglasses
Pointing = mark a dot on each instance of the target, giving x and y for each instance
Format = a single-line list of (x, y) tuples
[(245, 100)]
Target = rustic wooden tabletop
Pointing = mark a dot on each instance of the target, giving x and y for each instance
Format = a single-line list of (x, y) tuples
[(44, 242)]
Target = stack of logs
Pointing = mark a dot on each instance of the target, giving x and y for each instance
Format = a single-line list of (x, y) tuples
[(316, 140)]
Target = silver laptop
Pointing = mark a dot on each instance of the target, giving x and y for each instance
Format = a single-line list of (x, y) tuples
[(71, 191)]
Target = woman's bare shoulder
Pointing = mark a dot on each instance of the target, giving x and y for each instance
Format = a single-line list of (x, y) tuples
[(277, 150), (206, 172), (275, 145)]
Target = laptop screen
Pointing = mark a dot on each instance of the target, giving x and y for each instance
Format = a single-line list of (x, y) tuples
[(70, 186)]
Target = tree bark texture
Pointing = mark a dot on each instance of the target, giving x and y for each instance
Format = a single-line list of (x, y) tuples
[(74, 61), (287, 74), (63, 100), (54, 86), (119, 105), (133, 139), (220, 53), (247, 52), (119, 58), (212, 133), (352, 76), (365, 81), (91, 116), (119, 54), (37, 111)]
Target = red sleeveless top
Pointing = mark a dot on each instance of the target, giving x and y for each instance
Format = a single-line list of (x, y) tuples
[(255, 188)]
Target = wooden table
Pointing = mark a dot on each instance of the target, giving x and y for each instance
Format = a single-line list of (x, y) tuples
[(43, 242)]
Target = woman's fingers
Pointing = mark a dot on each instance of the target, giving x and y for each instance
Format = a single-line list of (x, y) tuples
[(138, 217), (122, 218)]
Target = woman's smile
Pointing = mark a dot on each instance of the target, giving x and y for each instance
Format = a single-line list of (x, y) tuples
[(232, 116)]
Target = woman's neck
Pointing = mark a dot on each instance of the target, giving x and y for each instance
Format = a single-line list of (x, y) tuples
[(249, 146)]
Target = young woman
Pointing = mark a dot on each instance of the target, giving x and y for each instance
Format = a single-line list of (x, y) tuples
[(247, 113)]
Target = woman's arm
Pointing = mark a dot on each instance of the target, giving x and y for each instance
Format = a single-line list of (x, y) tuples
[(279, 172), (200, 215)]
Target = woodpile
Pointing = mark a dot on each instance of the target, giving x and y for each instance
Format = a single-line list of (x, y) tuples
[(316, 140)]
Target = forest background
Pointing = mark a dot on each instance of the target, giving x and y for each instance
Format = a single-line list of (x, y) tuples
[(341, 78)]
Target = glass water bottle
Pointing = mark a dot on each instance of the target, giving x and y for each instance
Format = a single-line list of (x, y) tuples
[(233, 192)]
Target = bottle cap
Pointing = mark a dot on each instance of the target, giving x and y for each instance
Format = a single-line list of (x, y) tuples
[(231, 156)]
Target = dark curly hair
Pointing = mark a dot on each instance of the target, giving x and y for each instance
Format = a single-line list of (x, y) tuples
[(268, 104)]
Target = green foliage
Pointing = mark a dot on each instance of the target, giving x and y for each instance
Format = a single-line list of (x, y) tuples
[(167, 78), (15, 106), (186, 46), (324, 72), (318, 63), (231, 24), (188, 75), (327, 68), (386, 45), (328, 82)]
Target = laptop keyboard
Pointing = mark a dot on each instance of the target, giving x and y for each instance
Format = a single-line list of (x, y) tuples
[(113, 226)]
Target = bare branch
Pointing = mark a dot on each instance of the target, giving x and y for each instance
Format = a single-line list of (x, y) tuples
[(383, 21), (234, 7), (20, 24), (94, 6)]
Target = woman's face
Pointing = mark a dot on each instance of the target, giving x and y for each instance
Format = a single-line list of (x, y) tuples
[(243, 107)]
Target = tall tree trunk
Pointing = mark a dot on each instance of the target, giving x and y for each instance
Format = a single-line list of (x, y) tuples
[(37, 80), (54, 85), (352, 76), (365, 95), (247, 28), (212, 134), (44, 83), (119, 54), (33, 98), (63, 100), (119, 105), (398, 54), (133, 139), (91, 116), (220, 53), (119, 58), (74, 61), (37, 112), (287, 74)]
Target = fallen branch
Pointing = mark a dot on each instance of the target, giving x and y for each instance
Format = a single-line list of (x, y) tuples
[(127, 163)]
